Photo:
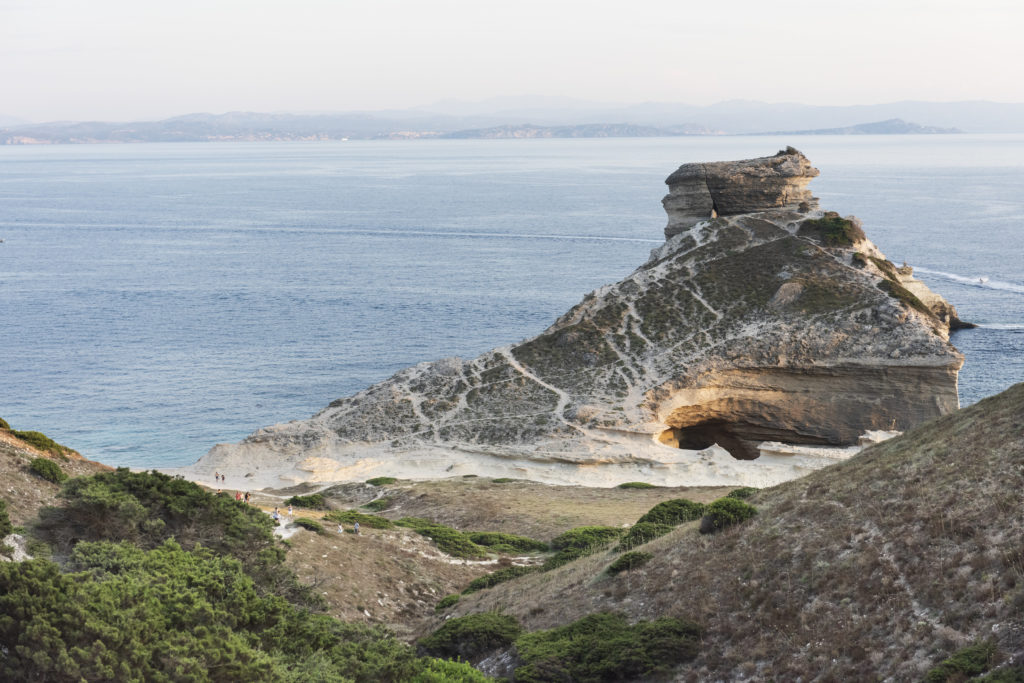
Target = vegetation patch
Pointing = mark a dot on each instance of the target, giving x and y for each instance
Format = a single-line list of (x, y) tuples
[(630, 560), (42, 442), (832, 230), (604, 647), (448, 540), (503, 480), (742, 493), (48, 470), (580, 542), (4, 425), (447, 601), (6, 528), (725, 512), (506, 543), (675, 511), (500, 576), (636, 485), (471, 636), (363, 519), (310, 524), (903, 295), (382, 503), (643, 532), (314, 501), (381, 481), (965, 663)]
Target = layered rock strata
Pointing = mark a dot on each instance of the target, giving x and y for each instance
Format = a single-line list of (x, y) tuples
[(770, 322)]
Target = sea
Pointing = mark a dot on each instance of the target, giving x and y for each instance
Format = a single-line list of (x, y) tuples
[(157, 299)]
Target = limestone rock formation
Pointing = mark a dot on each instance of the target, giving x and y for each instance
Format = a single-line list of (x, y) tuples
[(703, 191), (760, 319)]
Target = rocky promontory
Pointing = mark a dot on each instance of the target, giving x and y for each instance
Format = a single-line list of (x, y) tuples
[(765, 338)]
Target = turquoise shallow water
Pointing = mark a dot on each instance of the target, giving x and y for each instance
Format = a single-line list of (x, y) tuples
[(157, 299)]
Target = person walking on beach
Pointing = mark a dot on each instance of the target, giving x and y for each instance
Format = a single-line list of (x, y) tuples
[(289, 510), (276, 515), (355, 528), (246, 497)]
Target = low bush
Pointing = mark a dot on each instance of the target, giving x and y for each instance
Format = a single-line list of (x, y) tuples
[(447, 601), (448, 540), (353, 516), (381, 481), (628, 561), (378, 504), (832, 230), (904, 295), (503, 480), (675, 511), (311, 524), (471, 636), (500, 576), (725, 512), (506, 543), (314, 501), (580, 542), (642, 532), (42, 442), (48, 470), (742, 493), (965, 663), (3, 424), (6, 528), (604, 647), (636, 485)]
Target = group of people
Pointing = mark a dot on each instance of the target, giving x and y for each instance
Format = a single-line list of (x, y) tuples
[(276, 514), (218, 477)]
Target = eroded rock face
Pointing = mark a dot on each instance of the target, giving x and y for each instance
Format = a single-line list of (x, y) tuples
[(699, 192), (771, 323)]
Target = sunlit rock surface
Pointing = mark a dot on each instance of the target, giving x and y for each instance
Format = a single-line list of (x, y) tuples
[(770, 322)]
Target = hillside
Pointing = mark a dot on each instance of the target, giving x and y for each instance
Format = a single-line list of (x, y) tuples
[(887, 563)]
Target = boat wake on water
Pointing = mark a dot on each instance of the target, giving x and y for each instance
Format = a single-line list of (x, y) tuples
[(982, 281)]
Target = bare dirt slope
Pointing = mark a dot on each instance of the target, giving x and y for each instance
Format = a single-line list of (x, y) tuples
[(877, 568)]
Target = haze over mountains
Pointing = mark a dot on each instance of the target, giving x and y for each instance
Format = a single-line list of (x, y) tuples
[(538, 117)]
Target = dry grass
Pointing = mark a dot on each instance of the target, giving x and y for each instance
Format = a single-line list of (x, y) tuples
[(884, 564)]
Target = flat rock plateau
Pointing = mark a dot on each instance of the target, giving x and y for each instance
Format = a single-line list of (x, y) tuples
[(764, 339)]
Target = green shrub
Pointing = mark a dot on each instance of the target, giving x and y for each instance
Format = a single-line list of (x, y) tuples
[(6, 528), (503, 480), (3, 424), (628, 561), (42, 442), (147, 508), (904, 295), (725, 512), (353, 516), (448, 540), (447, 601), (311, 524), (643, 532), (742, 493), (636, 485), (580, 542), (675, 511), (446, 671), (193, 616), (964, 663), (1013, 673), (471, 636), (378, 504), (314, 501), (500, 576), (48, 470), (381, 481), (833, 231), (506, 543), (604, 647)]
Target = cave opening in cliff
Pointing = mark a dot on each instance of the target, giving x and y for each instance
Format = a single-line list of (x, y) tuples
[(707, 434), (714, 209)]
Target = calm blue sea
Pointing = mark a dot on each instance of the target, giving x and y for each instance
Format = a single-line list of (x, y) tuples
[(157, 299)]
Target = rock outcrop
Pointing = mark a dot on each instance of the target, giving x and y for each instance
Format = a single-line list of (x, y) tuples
[(760, 319)]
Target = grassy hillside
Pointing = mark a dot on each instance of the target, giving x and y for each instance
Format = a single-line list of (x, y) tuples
[(888, 563)]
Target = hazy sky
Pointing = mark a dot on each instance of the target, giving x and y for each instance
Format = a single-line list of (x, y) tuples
[(135, 59)]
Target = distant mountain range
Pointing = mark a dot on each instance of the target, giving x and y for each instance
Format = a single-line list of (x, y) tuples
[(524, 118)]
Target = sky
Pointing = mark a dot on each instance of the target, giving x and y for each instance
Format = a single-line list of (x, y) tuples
[(151, 59)]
